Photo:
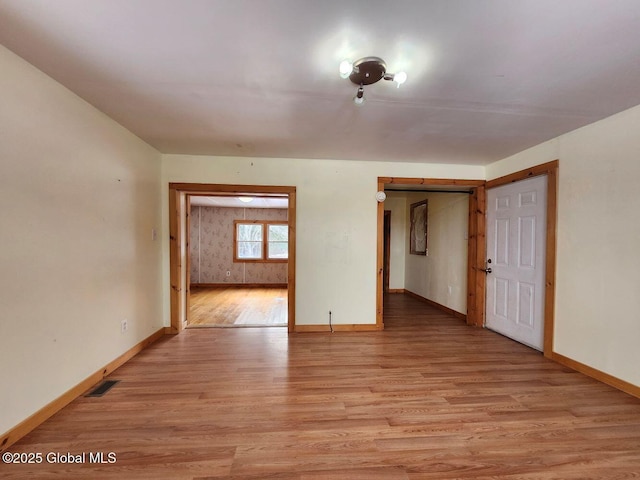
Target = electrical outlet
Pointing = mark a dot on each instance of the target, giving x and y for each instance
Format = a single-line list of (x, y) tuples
[(123, 326)]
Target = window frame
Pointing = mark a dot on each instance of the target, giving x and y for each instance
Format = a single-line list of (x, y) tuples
[(265, 241)]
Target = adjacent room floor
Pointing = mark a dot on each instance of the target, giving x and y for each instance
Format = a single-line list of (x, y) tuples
[(238, 307), (427, 398)]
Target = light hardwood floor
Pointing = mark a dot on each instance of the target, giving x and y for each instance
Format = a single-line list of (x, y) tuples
[(427, 398), (238, 307)]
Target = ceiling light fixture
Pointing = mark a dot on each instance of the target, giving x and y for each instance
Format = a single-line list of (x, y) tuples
[(366, 71), (345, 69), (246, 199)]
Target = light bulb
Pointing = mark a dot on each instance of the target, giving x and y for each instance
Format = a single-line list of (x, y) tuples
[(400, 78), (345, 69)]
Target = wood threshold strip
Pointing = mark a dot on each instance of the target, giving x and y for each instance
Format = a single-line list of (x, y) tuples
[(437, 305), (23, 428)]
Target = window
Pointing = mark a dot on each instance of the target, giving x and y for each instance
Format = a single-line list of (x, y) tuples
[(249, 241), (277, 241), (261, 241)]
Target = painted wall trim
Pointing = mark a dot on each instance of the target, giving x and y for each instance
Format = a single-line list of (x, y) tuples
[(46, 412), (437, 305), (596, 374)]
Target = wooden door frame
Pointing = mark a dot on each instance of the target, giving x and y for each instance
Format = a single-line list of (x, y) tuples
[(550, 169), (187, 270), (178, 198), (476, 243), (387, 247)]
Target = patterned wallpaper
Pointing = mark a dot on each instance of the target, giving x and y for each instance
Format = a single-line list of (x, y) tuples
[(211, 247)]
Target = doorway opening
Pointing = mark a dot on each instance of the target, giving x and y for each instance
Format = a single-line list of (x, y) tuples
[(477, 246), (237, 261), (252, 281), (474, 190)]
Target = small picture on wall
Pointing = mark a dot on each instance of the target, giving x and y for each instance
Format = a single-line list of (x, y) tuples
[(418, 232)]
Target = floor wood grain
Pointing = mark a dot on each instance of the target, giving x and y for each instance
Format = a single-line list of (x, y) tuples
[(427, 398), (238, 307)]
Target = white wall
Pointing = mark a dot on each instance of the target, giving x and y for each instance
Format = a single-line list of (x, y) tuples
[(79, 198), (336, 223), (441, 275), (598, 245), (397, 203)]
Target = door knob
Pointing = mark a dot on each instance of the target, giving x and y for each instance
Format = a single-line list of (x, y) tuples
[(488, 269)]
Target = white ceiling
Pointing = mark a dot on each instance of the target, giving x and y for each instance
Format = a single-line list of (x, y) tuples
[(235, 202), (486, 78)]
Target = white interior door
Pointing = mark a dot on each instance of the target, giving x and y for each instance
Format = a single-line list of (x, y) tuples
[(516, 232)]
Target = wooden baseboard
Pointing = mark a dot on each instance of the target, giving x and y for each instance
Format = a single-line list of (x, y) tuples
[(27, 425), (596, 374), (603, 377), (239, 285), (448, 310), (396, 290), (369, 327)]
